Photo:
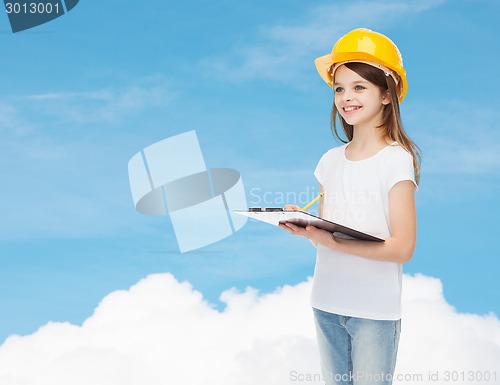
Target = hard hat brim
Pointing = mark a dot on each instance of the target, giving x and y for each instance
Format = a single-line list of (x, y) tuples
[(325, 63)]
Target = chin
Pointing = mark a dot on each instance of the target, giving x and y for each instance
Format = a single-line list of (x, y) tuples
[(351, 121)]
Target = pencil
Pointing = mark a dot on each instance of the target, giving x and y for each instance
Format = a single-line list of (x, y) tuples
[(312, 202)]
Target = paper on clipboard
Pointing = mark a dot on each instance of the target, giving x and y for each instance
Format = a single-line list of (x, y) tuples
[(275, 216)]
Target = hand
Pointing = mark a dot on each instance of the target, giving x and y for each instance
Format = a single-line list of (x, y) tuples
[(292, 207), (294, 229), (316, 235)]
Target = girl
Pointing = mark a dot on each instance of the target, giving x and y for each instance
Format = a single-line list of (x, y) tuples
[(368, 184)]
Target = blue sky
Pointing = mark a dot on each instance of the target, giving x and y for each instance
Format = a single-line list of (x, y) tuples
[(82, 94)]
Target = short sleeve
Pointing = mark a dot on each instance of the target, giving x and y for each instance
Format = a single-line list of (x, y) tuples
[(400, 168)]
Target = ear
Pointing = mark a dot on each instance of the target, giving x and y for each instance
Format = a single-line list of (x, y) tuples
[(386, 98)]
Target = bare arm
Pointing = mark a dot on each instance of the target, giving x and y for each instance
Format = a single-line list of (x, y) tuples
[(399, 247)]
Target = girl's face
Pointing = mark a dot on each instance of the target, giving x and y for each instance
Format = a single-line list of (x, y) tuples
[(358, 101)]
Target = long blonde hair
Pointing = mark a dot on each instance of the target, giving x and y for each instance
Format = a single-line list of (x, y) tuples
[(391, 125)]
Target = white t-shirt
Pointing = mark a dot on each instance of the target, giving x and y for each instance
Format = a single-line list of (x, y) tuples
[(357, 195)]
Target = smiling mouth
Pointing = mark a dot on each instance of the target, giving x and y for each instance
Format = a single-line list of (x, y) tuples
[(351, 108)]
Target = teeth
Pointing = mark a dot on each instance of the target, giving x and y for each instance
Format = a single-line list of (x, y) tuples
[(348, 109)]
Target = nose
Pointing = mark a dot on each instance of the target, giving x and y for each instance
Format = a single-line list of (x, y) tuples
[(347, 96)]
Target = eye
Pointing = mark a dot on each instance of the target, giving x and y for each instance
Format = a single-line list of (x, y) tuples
[(338, 89), (359, 88)]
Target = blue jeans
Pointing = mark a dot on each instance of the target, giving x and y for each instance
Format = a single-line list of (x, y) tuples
[(356, 351)]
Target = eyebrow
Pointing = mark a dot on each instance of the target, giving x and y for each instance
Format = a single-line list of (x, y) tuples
[(356, 82)]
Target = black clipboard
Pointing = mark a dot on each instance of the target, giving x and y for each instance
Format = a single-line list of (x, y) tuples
[(275, 216)]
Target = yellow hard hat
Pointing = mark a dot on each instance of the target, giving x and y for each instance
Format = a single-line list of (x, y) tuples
[(365, 46)]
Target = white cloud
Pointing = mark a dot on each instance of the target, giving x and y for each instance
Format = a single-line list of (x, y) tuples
[(161, 331), (102, 105), (283, 51)]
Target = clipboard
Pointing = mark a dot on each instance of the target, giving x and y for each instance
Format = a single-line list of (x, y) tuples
[(275, 216)]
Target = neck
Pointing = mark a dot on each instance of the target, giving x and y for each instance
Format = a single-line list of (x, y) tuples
[(367, 137)]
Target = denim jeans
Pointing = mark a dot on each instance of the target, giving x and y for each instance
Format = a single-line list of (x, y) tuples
[(356, 351)]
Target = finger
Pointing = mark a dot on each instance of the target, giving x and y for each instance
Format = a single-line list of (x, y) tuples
[(285, 227), (292, 229), (288, 227), (292, 226), (297, 230)]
